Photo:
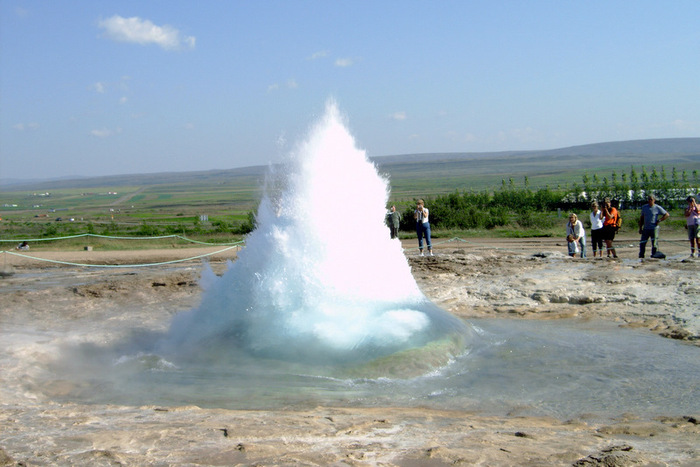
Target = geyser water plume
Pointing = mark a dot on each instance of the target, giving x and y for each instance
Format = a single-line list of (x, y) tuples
[(320, 281)]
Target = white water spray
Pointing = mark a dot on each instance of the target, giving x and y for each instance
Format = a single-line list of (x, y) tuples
[(319, 280)]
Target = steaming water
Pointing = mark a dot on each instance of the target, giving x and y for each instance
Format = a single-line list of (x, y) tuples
[(320, 281)]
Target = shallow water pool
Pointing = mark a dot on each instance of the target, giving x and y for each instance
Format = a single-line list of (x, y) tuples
[(561, 368)]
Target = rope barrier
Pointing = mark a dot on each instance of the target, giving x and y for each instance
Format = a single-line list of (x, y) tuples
[(234, 245), (68, 263), (119, 238)]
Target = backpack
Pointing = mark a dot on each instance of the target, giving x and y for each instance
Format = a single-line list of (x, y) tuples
[(618, 221)]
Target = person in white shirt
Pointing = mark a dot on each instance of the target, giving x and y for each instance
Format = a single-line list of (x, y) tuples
[(575, 228), (422, 226), (596, 229)]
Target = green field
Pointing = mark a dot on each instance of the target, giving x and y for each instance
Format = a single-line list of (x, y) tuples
[(160, 204)]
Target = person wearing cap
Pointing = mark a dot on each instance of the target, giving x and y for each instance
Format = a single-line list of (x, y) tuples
[(652, 215)]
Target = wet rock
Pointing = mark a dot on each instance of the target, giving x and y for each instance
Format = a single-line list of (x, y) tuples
[(614, 456), (549, 254), (677, 333), (5, 459), (634, 428), (541, 297)]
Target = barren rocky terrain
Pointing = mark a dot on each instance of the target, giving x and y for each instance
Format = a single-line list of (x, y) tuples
[(507, 279)]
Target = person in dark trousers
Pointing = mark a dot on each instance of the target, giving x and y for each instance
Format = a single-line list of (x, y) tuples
[(422, 226), (652, 215), (393, 220), (610, 215), (692, 214)]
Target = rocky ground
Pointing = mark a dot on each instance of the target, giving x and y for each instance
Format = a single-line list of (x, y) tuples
[(509, 279)]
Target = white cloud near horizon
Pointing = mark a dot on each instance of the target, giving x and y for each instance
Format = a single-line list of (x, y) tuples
[(142, 31), (461, 137), (399, 116)]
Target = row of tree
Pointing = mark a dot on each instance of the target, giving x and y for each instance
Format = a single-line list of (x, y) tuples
[(484, 209)]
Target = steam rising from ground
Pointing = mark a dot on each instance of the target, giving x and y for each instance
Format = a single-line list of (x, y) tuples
[(319, 280)]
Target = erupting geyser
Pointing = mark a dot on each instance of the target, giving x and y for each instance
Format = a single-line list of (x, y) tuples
[(320, 282)]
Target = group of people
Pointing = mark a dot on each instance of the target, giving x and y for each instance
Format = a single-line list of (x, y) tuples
[(606, 221), (421, 216), (604, 225)]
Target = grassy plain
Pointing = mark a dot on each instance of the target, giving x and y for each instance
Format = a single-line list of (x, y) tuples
[(172, 203)]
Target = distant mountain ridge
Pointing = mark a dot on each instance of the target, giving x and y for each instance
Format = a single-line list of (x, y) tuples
[(680, 146), (610, 154)]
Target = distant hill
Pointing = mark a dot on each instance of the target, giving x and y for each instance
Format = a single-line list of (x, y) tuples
[(642, 147), (681, 152)]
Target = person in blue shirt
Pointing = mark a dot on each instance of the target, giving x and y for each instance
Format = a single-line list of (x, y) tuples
[(652, 215)]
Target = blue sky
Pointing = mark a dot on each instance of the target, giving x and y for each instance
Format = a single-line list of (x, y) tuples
[(98, 87)]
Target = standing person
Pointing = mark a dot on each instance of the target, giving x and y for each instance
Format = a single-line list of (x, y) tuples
[(422, 226), (596, 229), (652, 214), (393, 220), (692, 214), (609, 226), (575, 228)]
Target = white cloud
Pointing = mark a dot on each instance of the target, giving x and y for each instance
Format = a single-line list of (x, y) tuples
[(143, 31), (463, 137), (105, 132), (518, 136), (344, 62), (685, 125), (290, 84), (99, 87), (26, 126), (399, 116), (319, 54), (123, 100)]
